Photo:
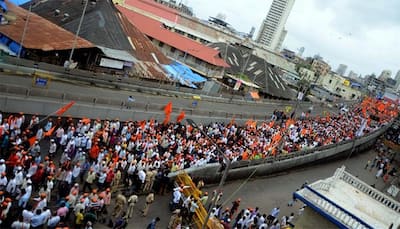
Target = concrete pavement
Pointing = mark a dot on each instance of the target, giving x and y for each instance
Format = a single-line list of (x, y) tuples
[(265, 193)]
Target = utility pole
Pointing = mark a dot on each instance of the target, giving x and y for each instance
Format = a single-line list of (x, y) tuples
[(77, 31), (224, 175), (24, 31)]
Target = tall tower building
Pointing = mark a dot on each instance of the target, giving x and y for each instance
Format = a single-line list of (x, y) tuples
[(341, 70), (281, 39), (385, 75), (397, 78), (272, 27)]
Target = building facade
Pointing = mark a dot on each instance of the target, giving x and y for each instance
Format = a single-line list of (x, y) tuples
[(397, 78), (340, 86), (307, 75), (320, 67), (272, 27), (385, 74)]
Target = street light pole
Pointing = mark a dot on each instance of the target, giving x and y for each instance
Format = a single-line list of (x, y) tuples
[(24, 31), (77, 32), (224, 175)]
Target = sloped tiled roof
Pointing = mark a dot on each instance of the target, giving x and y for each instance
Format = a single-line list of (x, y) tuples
[(40, 34), (154, 29)]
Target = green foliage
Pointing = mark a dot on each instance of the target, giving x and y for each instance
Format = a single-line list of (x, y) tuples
[(243, 77)]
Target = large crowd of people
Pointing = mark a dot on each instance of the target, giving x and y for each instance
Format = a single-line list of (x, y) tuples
[(60, 170)]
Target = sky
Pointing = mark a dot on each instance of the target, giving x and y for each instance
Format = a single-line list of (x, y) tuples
[(363, 34)]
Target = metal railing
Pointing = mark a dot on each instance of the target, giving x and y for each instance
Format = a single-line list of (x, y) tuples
[(123, 104), (368, 190)]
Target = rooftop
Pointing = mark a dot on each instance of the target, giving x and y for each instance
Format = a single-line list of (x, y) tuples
[(155, 29), (257, 69), (40, 34), (103, 25), (347, 201)]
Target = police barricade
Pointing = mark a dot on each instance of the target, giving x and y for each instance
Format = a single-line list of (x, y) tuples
[(201, 213)]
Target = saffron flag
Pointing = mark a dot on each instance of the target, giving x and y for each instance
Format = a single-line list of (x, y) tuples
[(167, 118), (50, 132), (64, 109), (32, 140), (168, 108), (167, 112), (180, 117)]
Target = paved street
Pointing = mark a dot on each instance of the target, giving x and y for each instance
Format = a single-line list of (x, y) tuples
[(255, 108), (267, 192)]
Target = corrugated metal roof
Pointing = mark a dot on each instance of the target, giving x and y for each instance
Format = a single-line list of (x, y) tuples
[(40, 34), (257, 69), (117, 54), (103, 25)]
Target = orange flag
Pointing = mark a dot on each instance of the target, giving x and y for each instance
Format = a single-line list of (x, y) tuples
[(32, 140), (63, 109), (86, 120), (50, 132), (168, 108), (167, 118), (180, 117)]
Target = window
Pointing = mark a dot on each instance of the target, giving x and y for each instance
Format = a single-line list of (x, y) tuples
[(160, 44), (173, 49), (330, 81)]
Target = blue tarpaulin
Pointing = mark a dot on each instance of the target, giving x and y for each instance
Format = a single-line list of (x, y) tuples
[(183, 74), (19, 2)]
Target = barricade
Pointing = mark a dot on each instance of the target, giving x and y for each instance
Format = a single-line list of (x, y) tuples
[(198, 219)]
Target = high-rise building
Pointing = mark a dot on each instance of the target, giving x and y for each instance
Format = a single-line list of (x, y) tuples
[(385, 75), (352, 75), (273, 25), (301, 51), (397, 78), (281, 39), (341, 70)]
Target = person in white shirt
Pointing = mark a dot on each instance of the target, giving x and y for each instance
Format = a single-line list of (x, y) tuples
[(27, 214), (2, 166), (3, 181), (52, 148), (19, 176), (20, 224)]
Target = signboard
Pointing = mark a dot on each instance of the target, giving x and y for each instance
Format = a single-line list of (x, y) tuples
[(109, 63), (41, 79), (237, 85), (41, 82)]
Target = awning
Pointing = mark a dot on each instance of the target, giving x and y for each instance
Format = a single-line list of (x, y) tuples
[(117, 54), (254, 95), (249, 84)]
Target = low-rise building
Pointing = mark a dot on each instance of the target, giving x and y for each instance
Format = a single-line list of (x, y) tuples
[(320, 67), (340, 85), (307, 75)]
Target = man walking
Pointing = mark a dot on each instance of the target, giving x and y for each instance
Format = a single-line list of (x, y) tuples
[(149, 200), (131, 205)]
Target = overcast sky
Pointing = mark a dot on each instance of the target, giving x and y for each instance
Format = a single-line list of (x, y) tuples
[(363, 34)]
